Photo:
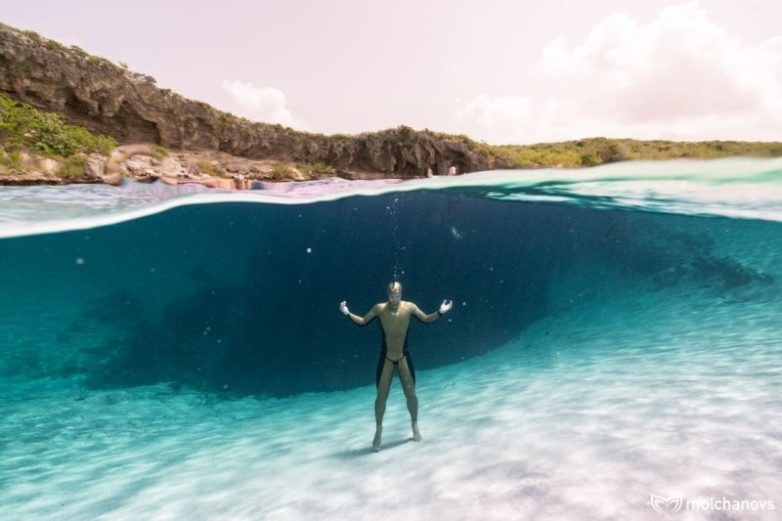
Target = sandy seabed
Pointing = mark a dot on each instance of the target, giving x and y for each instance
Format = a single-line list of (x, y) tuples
[(585, 416)]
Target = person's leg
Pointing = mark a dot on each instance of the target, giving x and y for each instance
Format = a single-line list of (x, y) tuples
[(384, 375), (407, 379)]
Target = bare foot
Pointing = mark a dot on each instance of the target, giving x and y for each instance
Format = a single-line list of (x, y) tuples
[(376, 441), (416, 434)]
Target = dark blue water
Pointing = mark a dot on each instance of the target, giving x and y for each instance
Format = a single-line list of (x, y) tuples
[(242, 299), (600, 352)]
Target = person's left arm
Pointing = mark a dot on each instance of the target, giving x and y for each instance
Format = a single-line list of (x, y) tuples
[(428, 319)]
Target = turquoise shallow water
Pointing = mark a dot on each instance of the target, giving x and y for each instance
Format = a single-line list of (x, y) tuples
[(614, 336)]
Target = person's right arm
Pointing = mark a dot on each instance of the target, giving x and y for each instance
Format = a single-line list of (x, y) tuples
[(361, 321)]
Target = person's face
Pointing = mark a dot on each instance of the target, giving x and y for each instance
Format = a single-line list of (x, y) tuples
[(395, 296)]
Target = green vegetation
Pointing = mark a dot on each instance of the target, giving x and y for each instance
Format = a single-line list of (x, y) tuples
[(282, 171), (597, 151), (79, 50), (24, 127), (54, 45), (316, 169), (405, 132), (159, 150), (285, 130), (100, 62), (228, 120), (74, 166), (10, 162), (209, 168)]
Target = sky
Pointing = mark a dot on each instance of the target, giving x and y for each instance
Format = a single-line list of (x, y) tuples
[(499, 71)]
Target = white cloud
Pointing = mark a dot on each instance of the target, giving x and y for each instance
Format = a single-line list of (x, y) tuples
[(265, 104), (484, 110), (681, 76)]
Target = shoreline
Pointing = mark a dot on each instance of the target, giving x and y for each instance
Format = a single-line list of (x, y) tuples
[(149, 163)]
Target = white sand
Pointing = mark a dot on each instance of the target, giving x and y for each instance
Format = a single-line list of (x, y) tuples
[(583, 418)]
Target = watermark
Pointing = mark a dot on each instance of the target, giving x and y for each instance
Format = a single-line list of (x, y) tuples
[(671, 505)]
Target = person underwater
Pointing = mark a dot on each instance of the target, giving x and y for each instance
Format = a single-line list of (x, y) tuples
[(394, 317)]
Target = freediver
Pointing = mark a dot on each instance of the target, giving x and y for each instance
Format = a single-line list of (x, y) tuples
[(394, 322)]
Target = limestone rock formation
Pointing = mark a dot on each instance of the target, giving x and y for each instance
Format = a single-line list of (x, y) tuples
[(109, 99)]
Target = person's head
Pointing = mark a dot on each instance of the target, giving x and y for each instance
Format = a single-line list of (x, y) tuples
[(394, 293)]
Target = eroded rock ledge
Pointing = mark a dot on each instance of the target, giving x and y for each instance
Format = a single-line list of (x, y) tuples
[(151, 163), (107, 98)]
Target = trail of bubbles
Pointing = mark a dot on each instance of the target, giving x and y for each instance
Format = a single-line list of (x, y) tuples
[(394, 214)]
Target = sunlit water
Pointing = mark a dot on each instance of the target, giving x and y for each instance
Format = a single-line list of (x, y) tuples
[(615, 335)]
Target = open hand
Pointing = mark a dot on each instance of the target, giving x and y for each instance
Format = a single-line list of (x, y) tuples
[(445, 307), (343, 306)]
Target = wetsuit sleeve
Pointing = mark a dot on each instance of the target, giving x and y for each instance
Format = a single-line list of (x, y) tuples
[(367, 322), (423, 317), (366, 319)]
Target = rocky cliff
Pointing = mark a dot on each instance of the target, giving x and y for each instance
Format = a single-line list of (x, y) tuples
[(109, 99)]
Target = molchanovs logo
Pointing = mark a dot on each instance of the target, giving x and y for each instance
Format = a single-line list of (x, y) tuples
[(674, 504), (666, 506)]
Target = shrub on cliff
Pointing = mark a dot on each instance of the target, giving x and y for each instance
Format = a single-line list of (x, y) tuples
[(10, 162), (74, 166), (316, 169), (23, 126), (210, 168), (281, 171), (159, 151)]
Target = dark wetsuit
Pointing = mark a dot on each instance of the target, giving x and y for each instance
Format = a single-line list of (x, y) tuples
[(384, 356)]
